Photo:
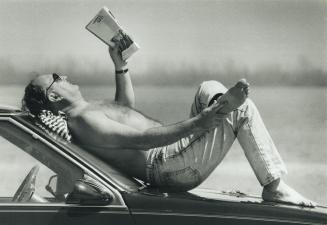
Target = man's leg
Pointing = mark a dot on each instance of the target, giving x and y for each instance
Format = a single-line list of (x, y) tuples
[(186, 163), (257, 144), (214, 145), (263, 156)]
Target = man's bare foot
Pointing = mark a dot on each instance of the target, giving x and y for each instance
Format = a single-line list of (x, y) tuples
[(278, 191), (234, 97)]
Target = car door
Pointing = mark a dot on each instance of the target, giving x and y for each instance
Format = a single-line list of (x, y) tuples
[(36, 179)]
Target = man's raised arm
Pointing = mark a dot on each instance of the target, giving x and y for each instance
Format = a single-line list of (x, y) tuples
[(124, 88)]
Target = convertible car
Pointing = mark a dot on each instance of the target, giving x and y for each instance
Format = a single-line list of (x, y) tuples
[(46, 180)]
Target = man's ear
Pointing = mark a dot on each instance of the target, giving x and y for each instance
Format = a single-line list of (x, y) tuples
[(53, 97)]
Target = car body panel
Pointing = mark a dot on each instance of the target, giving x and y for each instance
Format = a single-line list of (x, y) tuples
[(199, 208), (41, 214)]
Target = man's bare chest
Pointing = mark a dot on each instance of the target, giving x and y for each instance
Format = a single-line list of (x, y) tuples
[(127, 116), (120, 113)]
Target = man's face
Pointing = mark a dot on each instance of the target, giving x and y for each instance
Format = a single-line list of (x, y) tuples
[(59, 86)]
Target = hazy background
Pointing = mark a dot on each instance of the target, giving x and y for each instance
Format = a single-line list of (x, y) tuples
[(182, 42), (279, 46)]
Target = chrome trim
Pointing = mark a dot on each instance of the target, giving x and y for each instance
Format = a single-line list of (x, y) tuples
[(36, 136), (61, 205), (10, 108), (49, 210), (224, 217)]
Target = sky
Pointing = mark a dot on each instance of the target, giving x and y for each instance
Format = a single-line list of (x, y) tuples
[(37, 35)]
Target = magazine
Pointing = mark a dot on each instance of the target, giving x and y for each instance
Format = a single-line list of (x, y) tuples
[(105, 26)]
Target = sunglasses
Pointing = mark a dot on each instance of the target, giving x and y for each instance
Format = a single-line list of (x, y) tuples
[(56, 78)]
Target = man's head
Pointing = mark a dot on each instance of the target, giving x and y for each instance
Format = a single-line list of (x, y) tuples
[(51, 92)]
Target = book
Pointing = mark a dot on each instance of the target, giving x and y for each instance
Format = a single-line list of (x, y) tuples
[(106, 27)]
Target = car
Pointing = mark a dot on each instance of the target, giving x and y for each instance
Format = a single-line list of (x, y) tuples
[(47, 180)]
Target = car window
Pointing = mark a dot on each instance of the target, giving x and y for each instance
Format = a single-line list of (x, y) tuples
[(29, 165), (120, 179)]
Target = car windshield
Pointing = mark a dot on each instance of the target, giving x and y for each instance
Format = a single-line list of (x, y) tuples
[(117, 177)]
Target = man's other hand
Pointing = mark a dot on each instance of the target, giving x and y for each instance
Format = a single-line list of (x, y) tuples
[(209, 118)]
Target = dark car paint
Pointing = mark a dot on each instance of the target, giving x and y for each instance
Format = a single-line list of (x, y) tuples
[(148, 206), (63, 214), (189, 208)]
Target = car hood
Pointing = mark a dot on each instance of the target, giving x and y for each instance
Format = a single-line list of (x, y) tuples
[(211, 203), (240, 197)]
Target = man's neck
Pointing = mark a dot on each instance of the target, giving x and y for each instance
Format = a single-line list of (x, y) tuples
[(75, 108)]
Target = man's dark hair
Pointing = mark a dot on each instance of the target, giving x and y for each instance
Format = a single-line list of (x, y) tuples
[(35, 99)]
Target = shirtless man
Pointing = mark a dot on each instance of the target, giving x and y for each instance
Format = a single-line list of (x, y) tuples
[(175, 157)]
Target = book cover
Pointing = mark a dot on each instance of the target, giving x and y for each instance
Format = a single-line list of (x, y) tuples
[(106, 27)]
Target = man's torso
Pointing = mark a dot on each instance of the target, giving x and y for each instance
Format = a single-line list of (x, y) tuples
[(131, 161)]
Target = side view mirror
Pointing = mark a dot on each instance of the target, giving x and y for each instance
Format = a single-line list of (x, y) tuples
[(87, 193)]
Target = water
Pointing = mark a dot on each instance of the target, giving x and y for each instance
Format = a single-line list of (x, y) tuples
[(296, 118)]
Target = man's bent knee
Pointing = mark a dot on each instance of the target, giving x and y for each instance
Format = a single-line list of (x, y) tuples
[(208, 89), (213, 85)]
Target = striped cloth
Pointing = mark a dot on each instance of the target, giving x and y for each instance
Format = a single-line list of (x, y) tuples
[(54, 124)]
